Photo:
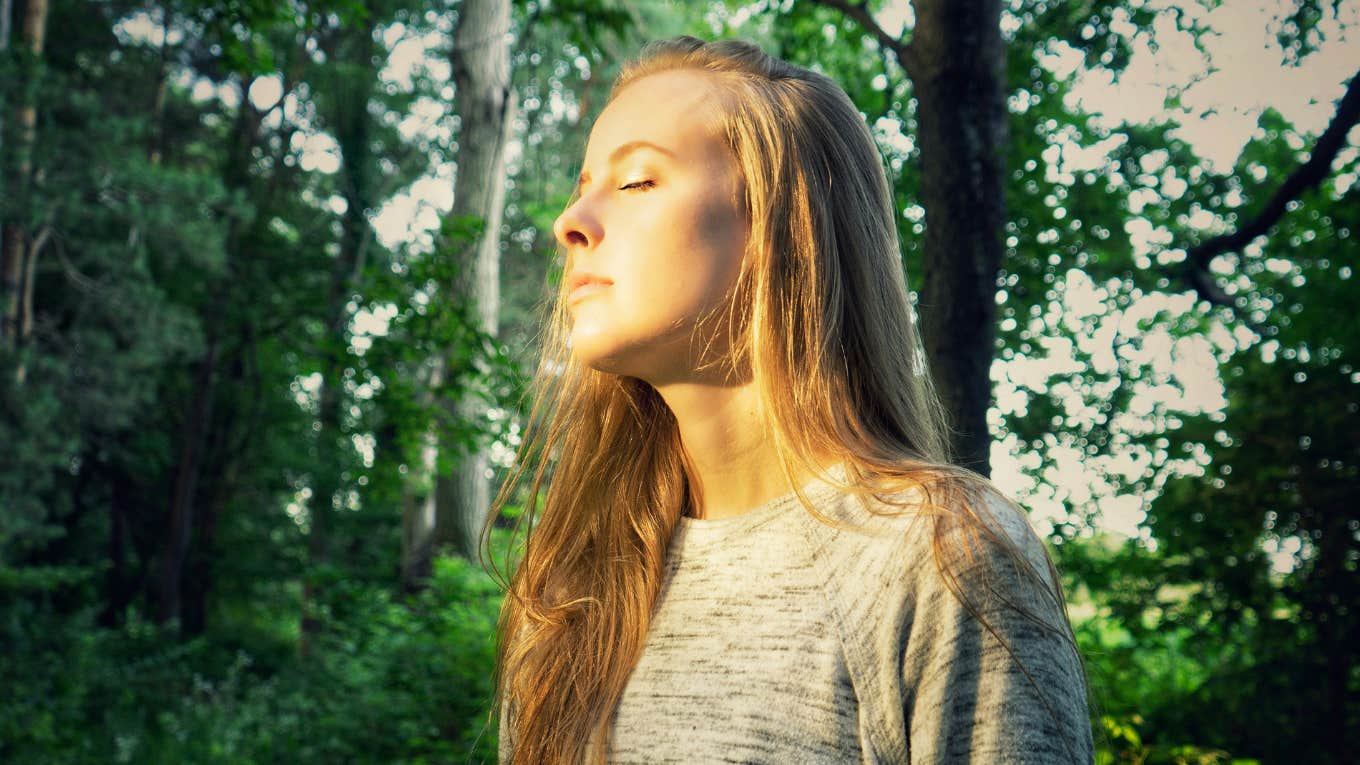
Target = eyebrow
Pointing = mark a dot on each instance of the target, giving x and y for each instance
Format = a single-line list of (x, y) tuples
[(619, 153)]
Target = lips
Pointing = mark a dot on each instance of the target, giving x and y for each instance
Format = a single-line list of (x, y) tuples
[(581, 285)]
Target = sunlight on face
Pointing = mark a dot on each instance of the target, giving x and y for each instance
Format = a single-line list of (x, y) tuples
[(656, 238)]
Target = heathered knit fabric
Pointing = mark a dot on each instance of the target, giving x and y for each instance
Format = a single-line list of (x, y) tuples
[(778, 639)]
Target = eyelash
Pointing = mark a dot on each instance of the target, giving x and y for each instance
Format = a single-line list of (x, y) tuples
[(637, 185)]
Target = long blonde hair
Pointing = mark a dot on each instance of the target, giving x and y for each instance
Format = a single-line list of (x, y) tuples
[(824, 329)]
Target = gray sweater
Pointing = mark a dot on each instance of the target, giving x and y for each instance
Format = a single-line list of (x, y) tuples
[(778, 639)]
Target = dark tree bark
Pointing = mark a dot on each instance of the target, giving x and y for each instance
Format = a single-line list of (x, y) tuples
[(17, 255), (6, 12), (197, 424), (958, 75), (956, 59), (193, 435), (484, 102), (155, 145), (417, 528), (198, 579), (118, 583), (351, 122)]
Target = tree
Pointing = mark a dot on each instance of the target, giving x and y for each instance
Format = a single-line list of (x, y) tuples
[(1306, 177), (226, 374), (20, 245), (956, 60), (485, 104), (1069, 229), (1300, 485), (349, 84)]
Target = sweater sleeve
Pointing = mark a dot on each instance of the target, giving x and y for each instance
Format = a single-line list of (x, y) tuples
[(1008, 691)]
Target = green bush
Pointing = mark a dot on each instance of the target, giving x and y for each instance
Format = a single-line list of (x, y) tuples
[(1122, 744), (387, 681)]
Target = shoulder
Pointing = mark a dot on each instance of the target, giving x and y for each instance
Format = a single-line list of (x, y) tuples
[(953, 627), (893, 530), (883, 553), (959, 558)]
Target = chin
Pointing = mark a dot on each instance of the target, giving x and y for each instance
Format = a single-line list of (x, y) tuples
[(612, 363), (614, 356), (598, 353)]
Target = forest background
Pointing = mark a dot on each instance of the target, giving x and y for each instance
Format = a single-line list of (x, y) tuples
[(271, 278)]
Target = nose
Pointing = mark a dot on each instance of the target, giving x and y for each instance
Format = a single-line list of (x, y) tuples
[(576, 228)]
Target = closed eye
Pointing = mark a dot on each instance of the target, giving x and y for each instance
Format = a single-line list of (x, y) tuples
[(638, 185)]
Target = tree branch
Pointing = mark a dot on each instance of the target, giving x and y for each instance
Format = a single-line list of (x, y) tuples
[(860, 13), (1307, 176), (40, 241), (82, 282)]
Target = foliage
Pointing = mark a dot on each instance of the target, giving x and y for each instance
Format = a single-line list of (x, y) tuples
[(393, 682), (1127, 748), (213, 275)]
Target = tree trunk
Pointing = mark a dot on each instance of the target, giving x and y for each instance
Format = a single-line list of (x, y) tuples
[(16, 270), (193, 436), (330, 414), (198, 580), (351, 124), (197, 419), (11, 262), (155, 144), (6, 12), (958, 75), (198, 413), (484, 102), (418, 511), (1330, 569), (119, 585)]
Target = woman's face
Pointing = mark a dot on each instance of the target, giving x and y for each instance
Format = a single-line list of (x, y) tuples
[(656, 237)]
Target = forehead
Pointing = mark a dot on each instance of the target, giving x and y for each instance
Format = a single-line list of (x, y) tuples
[(678, 110)]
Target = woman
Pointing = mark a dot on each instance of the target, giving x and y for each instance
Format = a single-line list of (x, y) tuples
[(753, 548)]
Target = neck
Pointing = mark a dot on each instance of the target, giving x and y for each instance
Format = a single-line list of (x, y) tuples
[(724, 435)]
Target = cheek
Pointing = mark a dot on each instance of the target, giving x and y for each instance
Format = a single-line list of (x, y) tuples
[(729, 255), (677, 261), (718, 245), (690, 285)]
